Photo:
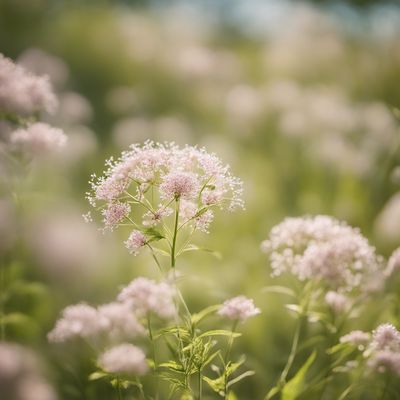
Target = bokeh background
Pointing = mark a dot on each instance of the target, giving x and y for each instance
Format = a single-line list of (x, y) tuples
[(299, 97)]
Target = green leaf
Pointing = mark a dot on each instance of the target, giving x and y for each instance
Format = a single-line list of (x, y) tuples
[(196, 318), (153, 234), (215, 384), (172, 365), (97, 375), (295, 308), (280, 290), (220, 332), (293, 388), (232, 396), (240, 377), (193, 247)]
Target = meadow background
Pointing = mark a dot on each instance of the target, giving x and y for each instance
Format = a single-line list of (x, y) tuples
[(298, 97)]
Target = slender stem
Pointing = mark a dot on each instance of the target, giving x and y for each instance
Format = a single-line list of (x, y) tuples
[(175, 233), (3, 300), (140, 387), (293, 350), (154, 257), (119, 389), (226, 358), (200, 384), (386, 387)]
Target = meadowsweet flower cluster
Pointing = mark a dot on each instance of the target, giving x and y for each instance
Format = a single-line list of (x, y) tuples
[(324, 249), (157, 180), (381, 350), (23, 96), (23, 93), (239, 308), (37, 139), (20, 377), (124, 358)]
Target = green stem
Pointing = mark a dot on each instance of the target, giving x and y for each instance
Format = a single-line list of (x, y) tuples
[(200, 385), (226, 358), (173, 248), (140, 387), (119, 389), (3, 300)]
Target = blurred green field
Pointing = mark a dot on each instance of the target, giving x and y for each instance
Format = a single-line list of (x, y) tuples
[(299, 98)]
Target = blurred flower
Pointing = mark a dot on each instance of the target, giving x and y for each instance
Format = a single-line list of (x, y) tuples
[(239, 308), (21, 92), (324, 249), (385, 361), (386, 337), (338, 302), (124, 359), (144, 295), (73, 109), (119, 322), (357, 337), (38, 139), (39, 62), (80, 320), (20, 377)]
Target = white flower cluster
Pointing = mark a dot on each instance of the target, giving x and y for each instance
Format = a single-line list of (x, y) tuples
[(153, 176), (22, 96), (239, 308), (325, 249), (124, 359), (381, 349), (23, 93), (20, 378)]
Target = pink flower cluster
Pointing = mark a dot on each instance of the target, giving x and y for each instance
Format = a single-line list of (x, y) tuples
[(23, 93), (156, 180), (381, 349), (324, 249), (239, 308)]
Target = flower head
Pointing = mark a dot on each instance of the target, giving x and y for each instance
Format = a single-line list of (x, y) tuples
[(386, 337), (135, 241), (385, 361), (239, 308), (357, 337), (325, 249), (38, 139), (144, 295), (80, 320), (338, 302), (179, 185), (115, 213), (124, 358)]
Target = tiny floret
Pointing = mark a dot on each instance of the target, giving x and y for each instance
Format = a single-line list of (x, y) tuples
[(386, 337), (124, 359), (135, 241), (239, 308), (179, 185)]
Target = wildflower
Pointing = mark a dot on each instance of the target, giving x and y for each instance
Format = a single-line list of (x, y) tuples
[(239, 308), (118, 321), (23, 93), (20, 376), (179, 184), (80, 320), (199, 179), (135, 241), (115, 213), (386, 337), (38, 139), (357, 337), (324, 249), (124, 358), (338, 302), (144, 295), (385, 361)]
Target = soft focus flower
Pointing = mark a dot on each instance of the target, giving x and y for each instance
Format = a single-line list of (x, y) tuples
[(338, 302), (357, 337), (324, 249), (38, 139), (23, 93), (80, 320), (385, 361), (239, 308), (145, 295), (124, 359), (118, 321), (20, 377), (135, 241), (386, 337)]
